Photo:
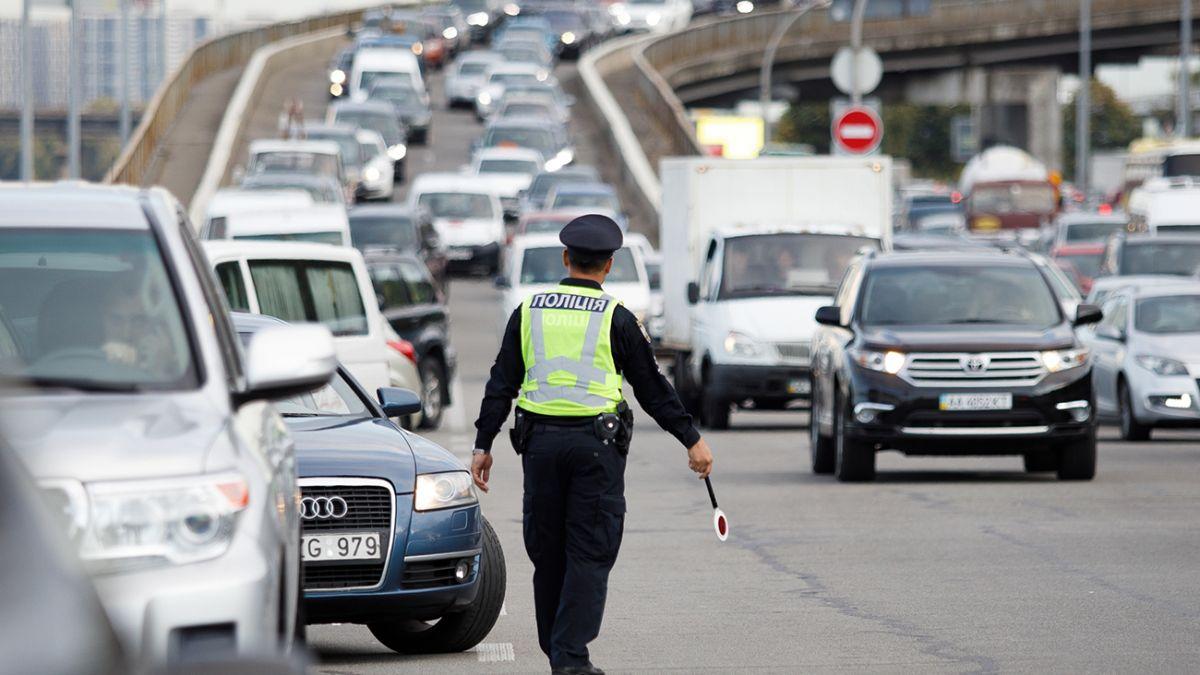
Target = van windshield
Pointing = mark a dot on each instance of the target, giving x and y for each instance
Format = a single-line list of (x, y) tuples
[(787, 264), (90, 309), (457, 205), (949, 295)]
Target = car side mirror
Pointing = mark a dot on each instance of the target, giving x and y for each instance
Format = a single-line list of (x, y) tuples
[(501, 282), (1110, 333), (693, 293), (285, 361), (1087, 314), (397, 402), (829, 315)]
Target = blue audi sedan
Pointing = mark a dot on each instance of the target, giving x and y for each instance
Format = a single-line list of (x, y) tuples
[(391, 532)]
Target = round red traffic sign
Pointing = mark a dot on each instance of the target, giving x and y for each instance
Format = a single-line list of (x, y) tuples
[(858, 130)]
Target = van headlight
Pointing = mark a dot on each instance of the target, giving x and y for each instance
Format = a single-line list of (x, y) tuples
[(397, 152), (338, 76), (1064, 359), (371, 174), (443, 491), (740, 344), (148, 523), (1161, 366), (890, 362)]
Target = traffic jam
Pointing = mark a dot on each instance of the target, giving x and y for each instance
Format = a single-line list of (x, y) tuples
[(244, 428)]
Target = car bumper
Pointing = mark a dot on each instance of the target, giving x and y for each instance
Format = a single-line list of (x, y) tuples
[(765, 385), (1165, 400), (466, 257), (433, 540), (906, 417), (186, 613)]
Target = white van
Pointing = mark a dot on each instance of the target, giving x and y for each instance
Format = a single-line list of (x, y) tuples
[(467, 215), (300, 282), (228, 201), (375, 64), (317, 224)]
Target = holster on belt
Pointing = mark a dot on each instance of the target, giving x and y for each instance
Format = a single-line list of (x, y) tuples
[(616, 429), (521, 431)]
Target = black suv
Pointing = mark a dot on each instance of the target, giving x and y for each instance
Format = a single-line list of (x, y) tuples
[(951, 353)]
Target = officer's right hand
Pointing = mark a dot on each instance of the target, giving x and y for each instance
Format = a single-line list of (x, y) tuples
[(481, 469), (700, 458)]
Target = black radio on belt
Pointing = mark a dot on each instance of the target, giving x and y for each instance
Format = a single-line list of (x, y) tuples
[(616, 429)]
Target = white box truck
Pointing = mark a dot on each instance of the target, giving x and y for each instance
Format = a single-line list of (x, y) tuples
[(751, 249)]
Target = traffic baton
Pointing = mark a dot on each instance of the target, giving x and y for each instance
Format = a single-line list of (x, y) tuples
[(720, 522)]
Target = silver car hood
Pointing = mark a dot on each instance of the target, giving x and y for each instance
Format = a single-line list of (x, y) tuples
[(1183, 347), (93, 437)]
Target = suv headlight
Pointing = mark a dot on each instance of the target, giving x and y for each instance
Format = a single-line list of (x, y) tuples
[(1064, 359), (1161, 366), (158, 522), (443, 490), (889, 362), (740, 344)]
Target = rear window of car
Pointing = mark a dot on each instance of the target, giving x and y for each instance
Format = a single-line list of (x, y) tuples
[(312, 291)]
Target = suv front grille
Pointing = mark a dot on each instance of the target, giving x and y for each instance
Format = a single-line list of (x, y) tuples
[(369, 508), (793, 351), (987, 369)]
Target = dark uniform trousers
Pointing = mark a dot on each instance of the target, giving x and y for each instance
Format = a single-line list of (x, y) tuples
[(574, 517)]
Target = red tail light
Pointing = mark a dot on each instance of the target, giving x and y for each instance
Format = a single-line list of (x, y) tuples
[(404, 347)]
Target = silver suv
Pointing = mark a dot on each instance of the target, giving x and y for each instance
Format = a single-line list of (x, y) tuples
[(129, 398)]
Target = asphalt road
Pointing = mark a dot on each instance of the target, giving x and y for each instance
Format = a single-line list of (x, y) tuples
[(942, 565)]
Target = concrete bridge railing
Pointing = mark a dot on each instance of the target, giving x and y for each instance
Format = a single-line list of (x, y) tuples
[(211, 57)]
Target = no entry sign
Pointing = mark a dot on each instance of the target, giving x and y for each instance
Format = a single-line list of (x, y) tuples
[(857, 130)]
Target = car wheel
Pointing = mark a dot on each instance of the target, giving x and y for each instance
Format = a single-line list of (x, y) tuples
[(1077, 459), (1040, 462), (460, 631), (1131, 429), (854, 461), (821, 447), (431, 392)]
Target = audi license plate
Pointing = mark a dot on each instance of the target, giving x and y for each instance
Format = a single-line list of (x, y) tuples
[(342, 546), (975, 402)]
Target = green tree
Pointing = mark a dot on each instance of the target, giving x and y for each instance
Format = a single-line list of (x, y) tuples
[(1113, 124)]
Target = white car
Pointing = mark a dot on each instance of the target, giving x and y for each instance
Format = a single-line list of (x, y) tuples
[(467, 214), (379, 172), (501, 75), (652, 260), (510, 170), (315, 158), (375, 64), (228, 201), (314, 283), (467, 75), (534, 264), (655, 16), (317, 223)]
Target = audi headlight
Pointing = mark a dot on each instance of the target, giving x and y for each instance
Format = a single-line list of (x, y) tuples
[(338, 76), (148, 523), (397, 152), (889, 362), (1065, 359), (568, 38), (1161, 366), (443, 490), (740, 344)]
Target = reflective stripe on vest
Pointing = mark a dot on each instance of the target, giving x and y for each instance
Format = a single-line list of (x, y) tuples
[(554, 327)]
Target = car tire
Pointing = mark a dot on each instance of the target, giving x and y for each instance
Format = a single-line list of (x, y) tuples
[(854, 461), (714, 412), (1077, 459), (1131, 429), (821, 447), (1040, 462), (432, 384), (462, 630)]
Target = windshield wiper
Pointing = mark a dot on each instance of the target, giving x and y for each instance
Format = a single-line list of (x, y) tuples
[(299, 414), (967, 321)]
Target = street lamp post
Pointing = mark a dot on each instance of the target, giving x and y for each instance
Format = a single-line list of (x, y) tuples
[(768, 65), (124, 65), (856, 22), (74, 140), (1083, 103), (1184, 113), (26, 94)]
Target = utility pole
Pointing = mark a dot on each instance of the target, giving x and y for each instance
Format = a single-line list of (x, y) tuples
[(26, 94), (124, 65), (74, 139), (1083, 102), (856, 22), (1183, 115), (162, 41)]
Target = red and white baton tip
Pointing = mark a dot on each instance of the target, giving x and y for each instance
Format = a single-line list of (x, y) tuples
[(720, 524)]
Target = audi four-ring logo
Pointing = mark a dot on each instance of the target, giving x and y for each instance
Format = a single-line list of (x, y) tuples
[(323, 508)]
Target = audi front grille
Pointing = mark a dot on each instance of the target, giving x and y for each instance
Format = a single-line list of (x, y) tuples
[(369, 507)]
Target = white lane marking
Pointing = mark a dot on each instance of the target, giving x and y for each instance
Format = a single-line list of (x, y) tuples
[(489, 652), (457, 413)]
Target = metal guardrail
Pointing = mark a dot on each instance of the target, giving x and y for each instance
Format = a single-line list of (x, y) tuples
[(206, 59)]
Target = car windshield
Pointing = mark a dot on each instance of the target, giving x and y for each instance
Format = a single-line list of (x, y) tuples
[(336, 399), (459, 205), (527, 110), (1013, 198), (508, 166), (1087, 264), (541, 226), (472, 68), (1181, 165), (517, 137), (544, 183), (406, 98), (334, 238), (947, 295), (386, 124), (787, 264), (563, 20), (90, 309), (370, 77), (295, 162), (1161, 258), (587, 200), (513, 78), (347, 144), (544, 265), (521, 54), (327, 194), (1168, 314), (1084, 232), (397, 232)]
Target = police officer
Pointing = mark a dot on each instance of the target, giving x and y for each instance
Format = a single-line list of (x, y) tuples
[(564, 357)]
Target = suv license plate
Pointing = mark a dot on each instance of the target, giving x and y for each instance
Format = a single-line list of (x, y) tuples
[(975, 402), (342, 546), (799, 386)]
